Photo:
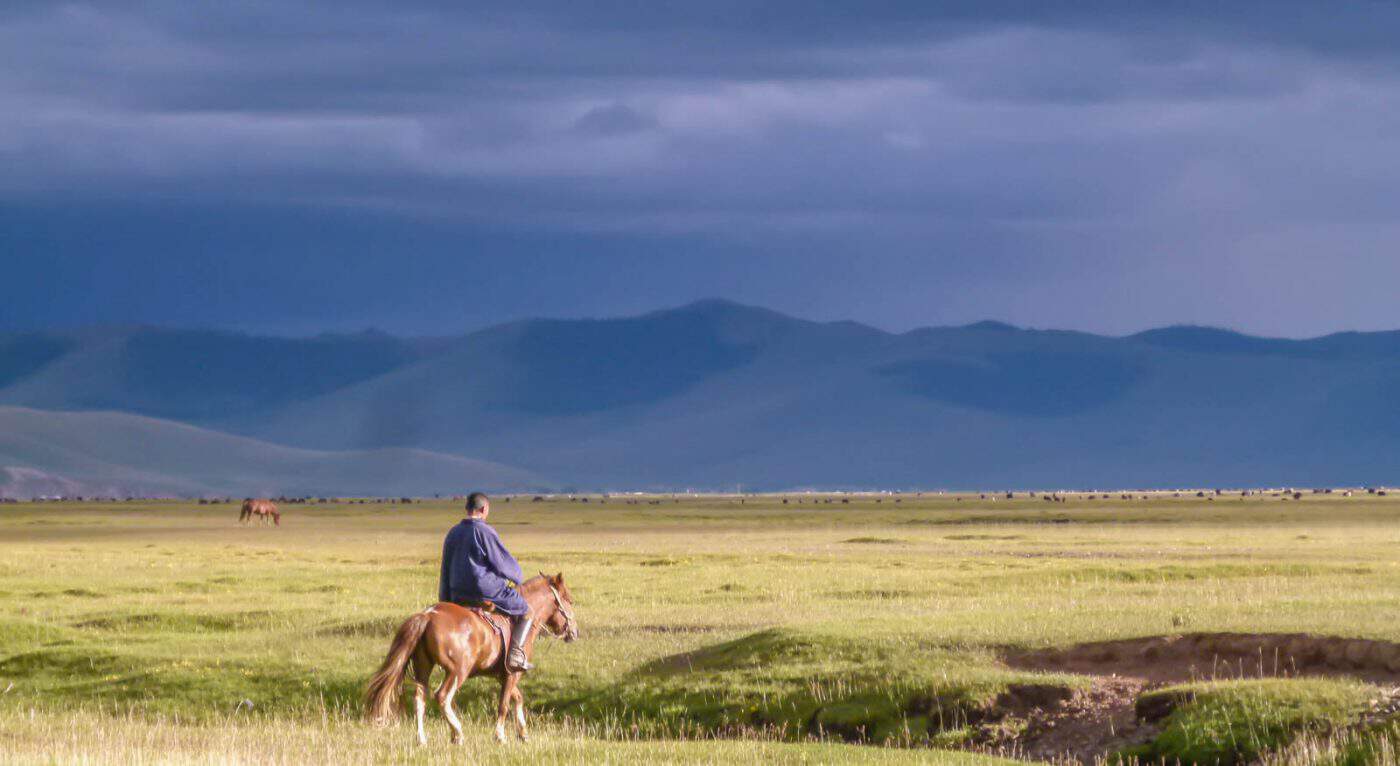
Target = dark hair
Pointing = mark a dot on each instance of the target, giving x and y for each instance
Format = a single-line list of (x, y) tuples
[(476, 502)]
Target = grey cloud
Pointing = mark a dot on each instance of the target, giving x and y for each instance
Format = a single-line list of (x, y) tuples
[(947, 157), (612, 120)]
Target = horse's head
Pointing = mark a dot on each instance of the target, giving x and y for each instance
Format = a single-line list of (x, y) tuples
[(561, 622)]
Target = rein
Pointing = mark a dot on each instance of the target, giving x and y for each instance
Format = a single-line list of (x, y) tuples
[(558, 602)]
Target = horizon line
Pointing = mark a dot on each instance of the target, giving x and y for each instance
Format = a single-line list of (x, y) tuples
[(117, 328)]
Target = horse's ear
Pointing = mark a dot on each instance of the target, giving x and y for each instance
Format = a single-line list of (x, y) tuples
[(559, 579)]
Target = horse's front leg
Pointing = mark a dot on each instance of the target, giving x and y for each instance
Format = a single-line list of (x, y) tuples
[(519, 710), (503, 709)]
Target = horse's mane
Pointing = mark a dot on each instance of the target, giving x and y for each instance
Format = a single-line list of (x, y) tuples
[(539, 587), (534, 584)]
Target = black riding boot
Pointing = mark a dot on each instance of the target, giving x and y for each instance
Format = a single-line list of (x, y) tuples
[(519, 631)]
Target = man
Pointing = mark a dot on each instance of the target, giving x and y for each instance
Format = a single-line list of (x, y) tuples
[(477, 567)]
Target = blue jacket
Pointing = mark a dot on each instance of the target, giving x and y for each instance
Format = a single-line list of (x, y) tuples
[(477, 567)]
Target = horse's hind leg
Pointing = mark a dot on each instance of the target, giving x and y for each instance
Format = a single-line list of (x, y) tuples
[(422, 670), (444, 696)]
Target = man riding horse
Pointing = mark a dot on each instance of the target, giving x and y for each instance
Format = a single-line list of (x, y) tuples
[(477, 568), (456, 636)]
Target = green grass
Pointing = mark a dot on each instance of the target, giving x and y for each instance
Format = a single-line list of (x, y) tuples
[(765, 625), (1237, 721), (1364, 746), (795, 683)]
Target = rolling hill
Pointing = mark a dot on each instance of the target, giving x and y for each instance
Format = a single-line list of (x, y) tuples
[(717, 394), (116, 454)]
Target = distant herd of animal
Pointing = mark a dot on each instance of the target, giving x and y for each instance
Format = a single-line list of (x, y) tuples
[(266, 511)]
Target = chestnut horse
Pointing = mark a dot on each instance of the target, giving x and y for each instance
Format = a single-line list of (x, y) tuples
[(264, 508), (459, 641)]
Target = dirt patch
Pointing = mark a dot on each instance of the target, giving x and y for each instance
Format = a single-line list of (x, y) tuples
[(1044, 722), (1084, 725), (1205, 656)]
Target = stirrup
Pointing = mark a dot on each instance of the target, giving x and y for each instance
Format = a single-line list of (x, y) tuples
[(522, 665)]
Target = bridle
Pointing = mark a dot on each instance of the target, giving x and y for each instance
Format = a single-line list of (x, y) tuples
[(569, 627)]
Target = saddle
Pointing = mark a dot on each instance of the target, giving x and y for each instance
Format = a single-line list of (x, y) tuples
[(499, 622)]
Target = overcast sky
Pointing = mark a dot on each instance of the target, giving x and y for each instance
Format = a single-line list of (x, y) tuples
[(1109, 166)]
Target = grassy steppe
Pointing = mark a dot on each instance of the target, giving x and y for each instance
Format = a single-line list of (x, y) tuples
[(134, 631)]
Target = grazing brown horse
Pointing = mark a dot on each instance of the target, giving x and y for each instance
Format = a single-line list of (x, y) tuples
[(460, 641), (266, 509)]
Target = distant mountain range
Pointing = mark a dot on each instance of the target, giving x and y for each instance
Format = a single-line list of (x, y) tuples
[(710, 395)]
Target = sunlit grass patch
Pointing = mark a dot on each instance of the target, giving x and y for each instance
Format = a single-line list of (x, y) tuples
[(47, 736), (1237, 721), (1356, 746), (803, 683)]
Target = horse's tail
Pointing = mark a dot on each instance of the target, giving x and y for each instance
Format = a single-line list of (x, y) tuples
[(382, 697)]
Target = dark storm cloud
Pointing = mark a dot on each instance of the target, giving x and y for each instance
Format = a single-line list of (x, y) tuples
[(1100, 165)]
